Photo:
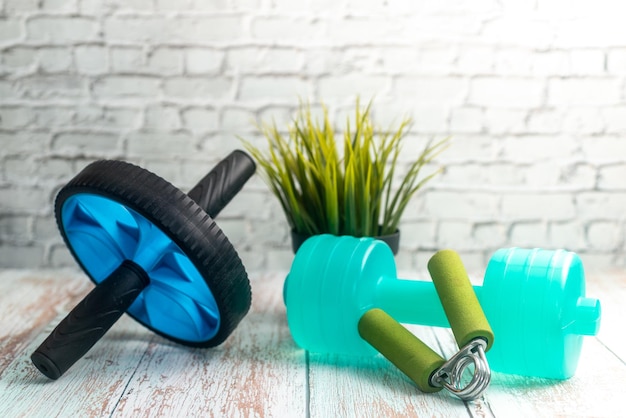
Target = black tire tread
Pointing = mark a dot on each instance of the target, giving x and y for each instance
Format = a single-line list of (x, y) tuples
[(183, 221)]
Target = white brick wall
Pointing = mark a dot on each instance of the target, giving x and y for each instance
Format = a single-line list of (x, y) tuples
[(533, 94)]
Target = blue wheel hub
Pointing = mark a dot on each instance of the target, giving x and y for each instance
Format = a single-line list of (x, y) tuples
[(103, 233)]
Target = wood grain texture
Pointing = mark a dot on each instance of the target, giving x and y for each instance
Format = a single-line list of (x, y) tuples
[(259, 372)]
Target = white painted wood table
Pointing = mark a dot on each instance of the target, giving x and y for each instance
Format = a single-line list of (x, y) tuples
[(260, 372)]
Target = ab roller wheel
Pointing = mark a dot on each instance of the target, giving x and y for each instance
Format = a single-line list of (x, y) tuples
[(153, 252), (534, 301)]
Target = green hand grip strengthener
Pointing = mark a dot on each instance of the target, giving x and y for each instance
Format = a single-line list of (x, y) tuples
[(533, 299), (420, 363)]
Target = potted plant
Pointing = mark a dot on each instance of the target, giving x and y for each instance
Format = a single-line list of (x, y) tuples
[(340, 183)]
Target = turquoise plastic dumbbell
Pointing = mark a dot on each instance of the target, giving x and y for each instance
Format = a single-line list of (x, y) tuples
[(533, 299)]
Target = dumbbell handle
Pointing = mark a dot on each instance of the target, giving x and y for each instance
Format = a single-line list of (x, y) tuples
[(397, 297), (225, 180)]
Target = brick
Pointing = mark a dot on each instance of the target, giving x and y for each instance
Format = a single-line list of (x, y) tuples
[(476, 60), (96, 7), (53, 169), (614, 118), (203, 61), (287, 30), (587, 62), (514, 61), (51, 86), (548, 174), (23, 142), (455, 234), (437, 91), (604, 148), (16, 228), (62, 30), (612, 177), (603, 235), (473, 175), (191, 5), (66, 6), (214, 144), (15, 117), (53, 116), (275, 232), (464, 148), (237, 120), (512, 31), (418, 235), (274, 87), (20, 170), (199, 88), (60, 256), (107, 117), (18, 6), (23, 256), (499, 121), (584, 91), (538, 206), (466, 119), (547, 63), (127, 59), (609, 205), (528, 234), (200, 119), (85, 142), (162, 117), (247, 60), (583, 120), (489, 234), (54, 60), (20, 58), (354, 29), (460, 205), (616, 61), (127, 86), (437, 60), (607, 32), (91, 59), (509, 92), (155, 144), (279, 259), (10, 30), (24, 200), (535, 148), (165, 61), (182, 30), (566, 235), (545, 121)]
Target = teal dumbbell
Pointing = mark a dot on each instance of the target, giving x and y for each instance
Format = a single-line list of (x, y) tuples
[(534, 301)]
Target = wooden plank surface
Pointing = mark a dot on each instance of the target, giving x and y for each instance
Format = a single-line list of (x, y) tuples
[(260, 372)]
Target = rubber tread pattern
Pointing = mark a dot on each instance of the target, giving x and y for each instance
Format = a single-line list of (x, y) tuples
[(183, 221)]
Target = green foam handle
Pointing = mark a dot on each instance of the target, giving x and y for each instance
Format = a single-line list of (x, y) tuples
[(458, 298), (407, 352)]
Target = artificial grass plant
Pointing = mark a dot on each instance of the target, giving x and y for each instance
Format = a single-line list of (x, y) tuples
[(324, 190)]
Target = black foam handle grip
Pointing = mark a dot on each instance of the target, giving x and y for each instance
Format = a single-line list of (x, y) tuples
[(90, 320), (222, 183)]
